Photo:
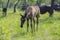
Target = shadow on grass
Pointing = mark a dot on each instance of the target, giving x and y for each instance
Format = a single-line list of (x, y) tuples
[(22, 34), (47, 20), (58, 18), (2, 17), (56, 34)]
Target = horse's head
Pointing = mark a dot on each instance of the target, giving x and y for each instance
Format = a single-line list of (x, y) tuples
[(22, 20)]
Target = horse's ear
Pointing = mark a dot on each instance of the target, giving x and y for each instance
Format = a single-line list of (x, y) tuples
[(21, 15)]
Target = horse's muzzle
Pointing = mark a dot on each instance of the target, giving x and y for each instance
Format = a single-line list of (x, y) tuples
[(21, 26)]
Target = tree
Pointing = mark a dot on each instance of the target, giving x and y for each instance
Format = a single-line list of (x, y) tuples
[(38, 2), (24, 4), (57, 1), (52, 3), (52, 7), (16, 5)]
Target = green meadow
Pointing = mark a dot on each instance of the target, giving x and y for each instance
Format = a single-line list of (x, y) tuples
[(48, 29)]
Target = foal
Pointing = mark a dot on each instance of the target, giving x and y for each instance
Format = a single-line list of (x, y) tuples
[(30, 13)]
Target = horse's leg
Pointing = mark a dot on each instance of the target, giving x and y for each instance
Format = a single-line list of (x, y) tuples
[(5, 14), (27, 24), (37, 23), (51, 12), (31, 25), (34, 24)]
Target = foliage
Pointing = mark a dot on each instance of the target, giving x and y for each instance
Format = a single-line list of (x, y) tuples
[(30, 2)]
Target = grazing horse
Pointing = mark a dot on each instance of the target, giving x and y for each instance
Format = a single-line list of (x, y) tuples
[(4, 9), (46, 8), (31, 13)]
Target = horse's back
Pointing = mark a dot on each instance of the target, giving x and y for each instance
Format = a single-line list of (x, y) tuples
[(34, 10)]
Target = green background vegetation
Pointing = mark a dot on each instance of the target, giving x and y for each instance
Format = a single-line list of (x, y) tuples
[(49, 27), (30, 2)]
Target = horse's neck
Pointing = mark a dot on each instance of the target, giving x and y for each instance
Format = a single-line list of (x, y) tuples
[(25, 15)]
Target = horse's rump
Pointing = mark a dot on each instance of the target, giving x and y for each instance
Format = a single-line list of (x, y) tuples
[(34, 10)]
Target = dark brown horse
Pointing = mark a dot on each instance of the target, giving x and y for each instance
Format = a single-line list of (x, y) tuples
[(4, 9), (31, 13), (46, 8)]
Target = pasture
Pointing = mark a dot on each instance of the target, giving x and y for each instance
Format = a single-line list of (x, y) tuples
[(48, 29)]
